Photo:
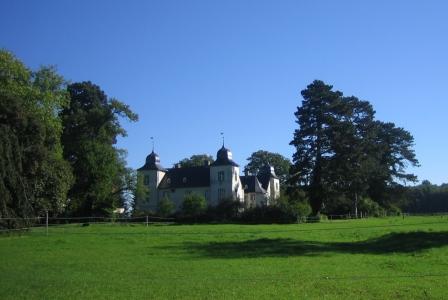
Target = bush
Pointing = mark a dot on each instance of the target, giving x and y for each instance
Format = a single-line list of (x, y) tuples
[(226, 210), (165, 207), (194, 205), (266, 215), (370, 207)]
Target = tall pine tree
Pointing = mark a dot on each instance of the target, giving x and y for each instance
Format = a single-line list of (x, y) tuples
[(342, 152)]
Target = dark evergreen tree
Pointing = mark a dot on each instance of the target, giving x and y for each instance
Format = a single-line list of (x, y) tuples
[(312, 141), (343, 153)]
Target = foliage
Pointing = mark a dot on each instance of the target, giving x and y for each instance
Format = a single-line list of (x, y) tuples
[(91, 126), (140, 193), (272, 214), (34, 175), (295, 203), (342, 152), (165, 207), (427, 198), (261, 158), (226, 210), (194, 205), (196, 160)]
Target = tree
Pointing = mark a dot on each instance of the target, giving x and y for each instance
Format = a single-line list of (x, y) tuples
[(262, 158), (294, 203), (313, 141), (140, 192), (194, 205), (342, 152), (165, 206), (195, 160), (34, 175), (91, 126)]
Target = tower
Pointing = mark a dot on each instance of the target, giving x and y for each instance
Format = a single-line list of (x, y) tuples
[(225, 181), (152, 173)]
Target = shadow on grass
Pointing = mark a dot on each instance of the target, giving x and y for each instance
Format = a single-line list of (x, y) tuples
[(395, 242)]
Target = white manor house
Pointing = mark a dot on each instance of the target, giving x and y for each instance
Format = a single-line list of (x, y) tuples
[(215, 181)]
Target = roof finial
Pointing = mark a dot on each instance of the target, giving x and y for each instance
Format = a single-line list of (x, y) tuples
[(152, 140), (222, 135)]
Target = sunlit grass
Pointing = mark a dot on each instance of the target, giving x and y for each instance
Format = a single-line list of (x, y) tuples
[(369, 258)]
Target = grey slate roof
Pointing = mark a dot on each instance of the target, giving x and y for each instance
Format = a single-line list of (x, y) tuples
[(263, 178), (224, 158), (266, 173), (152, 163), (186, 178), (249, 183)]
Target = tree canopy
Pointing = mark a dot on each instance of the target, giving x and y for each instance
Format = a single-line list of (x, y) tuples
[(34, 175), (91, 126), (196, 160), (342, 151), (262, 158)]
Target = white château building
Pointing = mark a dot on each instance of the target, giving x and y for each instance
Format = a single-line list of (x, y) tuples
[(216, 181)]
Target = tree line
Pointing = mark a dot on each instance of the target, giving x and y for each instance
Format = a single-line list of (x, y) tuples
[(58, 154), (57, 150)]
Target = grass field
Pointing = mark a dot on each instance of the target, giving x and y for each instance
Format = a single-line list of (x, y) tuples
[(370, 258)]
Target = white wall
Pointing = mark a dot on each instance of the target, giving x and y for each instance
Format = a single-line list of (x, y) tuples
[(177, 196), (231, 184)]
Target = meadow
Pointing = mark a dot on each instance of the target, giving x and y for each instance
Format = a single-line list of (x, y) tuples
[(380, 258)]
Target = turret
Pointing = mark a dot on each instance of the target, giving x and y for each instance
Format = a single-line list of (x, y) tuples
[(224, 178), (152, 173)]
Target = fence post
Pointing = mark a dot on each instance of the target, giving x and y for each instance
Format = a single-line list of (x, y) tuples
[(147, 221), (46, 221)]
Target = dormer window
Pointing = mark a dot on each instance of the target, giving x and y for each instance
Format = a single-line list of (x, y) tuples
[(184, 180), (168, 181)]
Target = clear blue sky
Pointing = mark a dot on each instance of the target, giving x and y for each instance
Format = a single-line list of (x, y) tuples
[(192, 69)]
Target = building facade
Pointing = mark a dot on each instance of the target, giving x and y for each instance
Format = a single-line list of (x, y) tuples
[(215, 181)]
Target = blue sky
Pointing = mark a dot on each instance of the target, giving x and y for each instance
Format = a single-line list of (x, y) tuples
[(192, 69)]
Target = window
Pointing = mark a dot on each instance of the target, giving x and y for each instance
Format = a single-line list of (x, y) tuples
[(184, 180), (276, 186), (221, 194), (146, 180), (236, 176), (206, 195), (221, 176)]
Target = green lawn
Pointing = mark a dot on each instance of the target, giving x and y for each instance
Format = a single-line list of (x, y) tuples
[(374, 258)]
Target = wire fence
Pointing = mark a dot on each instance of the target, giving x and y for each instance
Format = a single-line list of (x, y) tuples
[(330, 223)]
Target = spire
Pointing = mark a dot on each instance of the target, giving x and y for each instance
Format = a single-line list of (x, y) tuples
[(222, 135), (152, 140)]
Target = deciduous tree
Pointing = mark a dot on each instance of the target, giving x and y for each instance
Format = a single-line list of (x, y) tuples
[(91, 127), (262, 158)]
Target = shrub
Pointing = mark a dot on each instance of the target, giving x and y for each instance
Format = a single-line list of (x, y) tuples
[(194, 205), (165, 207)]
